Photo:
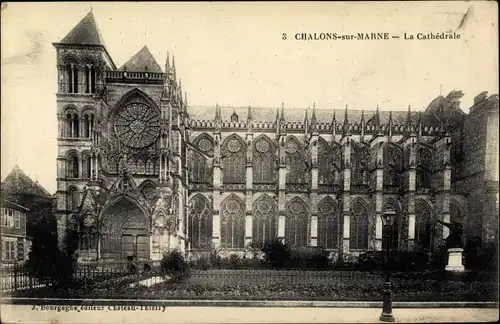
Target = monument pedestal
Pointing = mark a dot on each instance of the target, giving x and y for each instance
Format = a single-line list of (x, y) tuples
[(455, 260)]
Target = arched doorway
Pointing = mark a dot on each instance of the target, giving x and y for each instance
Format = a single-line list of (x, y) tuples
[(125, 231)]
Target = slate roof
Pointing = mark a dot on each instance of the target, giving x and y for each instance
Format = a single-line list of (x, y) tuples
[(142, 61), (85, 32), (18, 181), (298, 114)]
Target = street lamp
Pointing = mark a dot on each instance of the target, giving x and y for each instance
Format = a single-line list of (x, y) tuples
[(388, 218)]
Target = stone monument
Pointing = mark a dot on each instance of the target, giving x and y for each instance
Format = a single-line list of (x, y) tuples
[(454, 246)]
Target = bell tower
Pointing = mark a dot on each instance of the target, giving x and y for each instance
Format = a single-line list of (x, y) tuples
[(82, 60)]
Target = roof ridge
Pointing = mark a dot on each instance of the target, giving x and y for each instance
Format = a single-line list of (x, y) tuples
[(142, 60), (86, 32)]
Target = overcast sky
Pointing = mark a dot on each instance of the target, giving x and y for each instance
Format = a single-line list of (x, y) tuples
[(233, 54)]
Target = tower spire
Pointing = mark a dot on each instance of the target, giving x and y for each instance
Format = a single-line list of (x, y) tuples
[(313, 117), (306, 122), (282, 118)]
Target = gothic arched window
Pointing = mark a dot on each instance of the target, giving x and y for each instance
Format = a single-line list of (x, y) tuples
[(392, 165), (328, 223), (424, 168), (264, 223), (234, 160), (200, 222), (296, 224), (205, 144), (423, 225), (73, 166), (199, 172), (360, 163), (232, 223), (264, 160), (295, 162), (359, 226)]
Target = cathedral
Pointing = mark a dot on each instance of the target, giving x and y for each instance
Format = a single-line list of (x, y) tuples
[(140, 172)]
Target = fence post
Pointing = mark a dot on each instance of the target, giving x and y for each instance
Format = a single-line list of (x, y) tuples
[(15, 276)]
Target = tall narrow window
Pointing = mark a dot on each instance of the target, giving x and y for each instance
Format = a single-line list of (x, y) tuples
[(328, 224), (295, 162), (70, 77), (233, 223), (75, 79), (86, 167), (200, 222), (264, 223), (86, 126), (423, 225), (74, 199), (296, 224), (359, 226), (92, 79), (87, 79), (73, 167), (76, 126), (234, 160), (68, 123), (264, 161)]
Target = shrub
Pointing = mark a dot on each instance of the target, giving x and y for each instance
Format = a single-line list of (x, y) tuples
[(173, 264), (234, 261), (48, 263), (277, 254)]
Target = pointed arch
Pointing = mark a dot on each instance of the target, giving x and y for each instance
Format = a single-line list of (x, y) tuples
[(234, 159), (423, 225), (232, 222), (199, 170), (147, 189), (205, 144), (265, 215), (296, 163), (297, 223), (113, 213), (200, 222), (358, 239), (398, 222), (328, 223), (264, 160), (133, 96)]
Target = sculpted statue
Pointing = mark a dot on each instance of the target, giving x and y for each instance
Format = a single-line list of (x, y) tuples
[(454, 240)]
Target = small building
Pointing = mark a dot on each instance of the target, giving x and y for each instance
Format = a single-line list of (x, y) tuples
[(15, 245)]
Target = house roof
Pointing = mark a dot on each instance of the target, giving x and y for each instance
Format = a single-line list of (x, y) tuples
[(85, 32), (18, 181), (142, 61), (11, 204)]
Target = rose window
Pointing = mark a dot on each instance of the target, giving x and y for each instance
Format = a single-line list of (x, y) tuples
[(137, 125)]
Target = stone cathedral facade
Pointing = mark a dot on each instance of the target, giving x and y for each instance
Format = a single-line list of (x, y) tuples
[(141, 172)]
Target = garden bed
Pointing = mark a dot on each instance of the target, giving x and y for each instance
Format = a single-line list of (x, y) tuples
[(288, 285)]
